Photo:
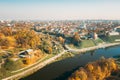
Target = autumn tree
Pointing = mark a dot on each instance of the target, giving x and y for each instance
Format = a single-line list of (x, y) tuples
[(79, 75), (27, 60), (2, 35), (76, 38), (49, 50), (38, 53), (7, 42), (89, 67), (7, 31), (27, 38), (46, 46), (61, 40), (98, 70)]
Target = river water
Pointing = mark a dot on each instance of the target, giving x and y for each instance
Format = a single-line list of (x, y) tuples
[(61, 70)]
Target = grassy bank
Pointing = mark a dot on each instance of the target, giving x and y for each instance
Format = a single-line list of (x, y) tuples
[(111, 39), (7, 73), (87, 43), (36, 66), (66, 55)]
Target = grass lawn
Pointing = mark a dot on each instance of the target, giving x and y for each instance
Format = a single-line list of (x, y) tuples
[(86, 43), (98, 41)]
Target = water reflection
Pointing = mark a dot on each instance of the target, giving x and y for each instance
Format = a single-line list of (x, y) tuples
[(92, 52)]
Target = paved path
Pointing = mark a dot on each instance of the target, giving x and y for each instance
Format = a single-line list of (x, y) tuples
[(91, 48)]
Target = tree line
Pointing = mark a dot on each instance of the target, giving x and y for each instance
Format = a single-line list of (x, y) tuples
[(98, 70)]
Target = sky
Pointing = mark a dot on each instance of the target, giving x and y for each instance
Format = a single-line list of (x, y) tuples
[(59, 9)]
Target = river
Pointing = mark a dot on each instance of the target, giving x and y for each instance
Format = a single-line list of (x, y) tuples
[(61, 70)]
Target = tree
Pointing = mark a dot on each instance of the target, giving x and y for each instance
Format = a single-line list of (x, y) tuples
[(7, 42), (27, 60), (27, 38), (98, 70), (7, 31), (61, 40), (89, 67), (2, 35), (49, 50), (76, 38), (46, 46)]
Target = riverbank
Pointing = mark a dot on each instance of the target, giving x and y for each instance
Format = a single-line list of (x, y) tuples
[(91, 48), (64, 56), (62, 69), (72, 52), (41, 65), (34, 69)]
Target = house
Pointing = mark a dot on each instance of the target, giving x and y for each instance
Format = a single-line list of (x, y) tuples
[(25, 53), (117, 29)]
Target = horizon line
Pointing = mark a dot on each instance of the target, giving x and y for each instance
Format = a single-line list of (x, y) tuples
[(53, 19)]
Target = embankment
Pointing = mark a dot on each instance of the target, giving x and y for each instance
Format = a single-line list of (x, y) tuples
[(91, 48), (33, 69)]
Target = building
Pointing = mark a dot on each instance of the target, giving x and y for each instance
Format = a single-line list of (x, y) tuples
[(95, 36), (26, 53), (117, 29)]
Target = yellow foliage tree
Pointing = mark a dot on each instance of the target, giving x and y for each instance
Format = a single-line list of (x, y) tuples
[(7, 31), (89, 67), (8, 42), (61, 40), (26, 38), (76, 37), (98, 70), (27, 60), (49, 50)]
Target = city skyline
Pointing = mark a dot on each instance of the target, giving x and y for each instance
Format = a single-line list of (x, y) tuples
[(59, 9)]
